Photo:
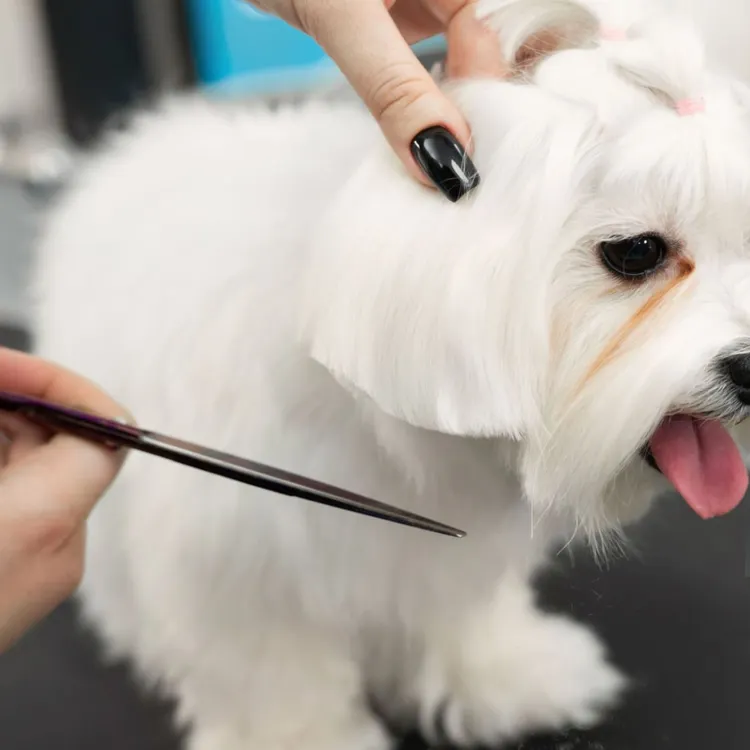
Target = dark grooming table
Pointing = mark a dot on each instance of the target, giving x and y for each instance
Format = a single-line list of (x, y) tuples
[(676, 615)]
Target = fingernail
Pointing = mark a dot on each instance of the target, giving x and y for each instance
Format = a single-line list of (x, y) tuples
[(445, 162)]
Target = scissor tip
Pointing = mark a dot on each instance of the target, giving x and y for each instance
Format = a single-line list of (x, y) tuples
[(440, 528)]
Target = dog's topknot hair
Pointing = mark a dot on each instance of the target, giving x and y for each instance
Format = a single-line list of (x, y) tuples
[(648, 47)]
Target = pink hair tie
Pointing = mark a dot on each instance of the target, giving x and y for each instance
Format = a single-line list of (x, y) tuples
[(687, 107), (612, 34)]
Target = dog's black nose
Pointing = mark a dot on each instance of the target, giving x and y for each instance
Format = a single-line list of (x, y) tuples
[(737, 368)]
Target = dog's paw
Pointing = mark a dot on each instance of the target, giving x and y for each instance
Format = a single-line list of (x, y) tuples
[(357, 732), (548, 676)]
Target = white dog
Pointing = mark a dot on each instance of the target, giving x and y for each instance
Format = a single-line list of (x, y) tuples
[(273, 284)]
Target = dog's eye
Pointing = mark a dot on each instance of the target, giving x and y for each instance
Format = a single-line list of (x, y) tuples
[(634, 256)]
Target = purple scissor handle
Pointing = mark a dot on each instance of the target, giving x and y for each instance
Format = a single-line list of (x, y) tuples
[(100, 430)]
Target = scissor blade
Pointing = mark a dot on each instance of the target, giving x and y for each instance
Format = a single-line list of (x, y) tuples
[(284, 482), (106, 431)]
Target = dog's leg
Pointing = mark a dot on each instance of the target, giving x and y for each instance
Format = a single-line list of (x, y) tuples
[(509, 670), (294, 689)]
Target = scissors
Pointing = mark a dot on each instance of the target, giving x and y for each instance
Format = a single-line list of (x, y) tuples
[(117, 434)]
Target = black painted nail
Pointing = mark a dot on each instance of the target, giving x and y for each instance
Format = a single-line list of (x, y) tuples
[(444, 161)]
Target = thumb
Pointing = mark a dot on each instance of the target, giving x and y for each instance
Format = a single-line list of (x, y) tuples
[(426, 131)]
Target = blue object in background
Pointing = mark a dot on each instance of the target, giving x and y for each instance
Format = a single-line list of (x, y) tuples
[(239, 50)]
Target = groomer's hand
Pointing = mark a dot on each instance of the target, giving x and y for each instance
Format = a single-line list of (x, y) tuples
[(369, 40), (48, 486)]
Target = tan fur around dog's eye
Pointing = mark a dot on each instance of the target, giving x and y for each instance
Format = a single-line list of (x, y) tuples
[(685, 268)]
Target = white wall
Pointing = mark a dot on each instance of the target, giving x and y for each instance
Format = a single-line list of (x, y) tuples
[(26, 87)]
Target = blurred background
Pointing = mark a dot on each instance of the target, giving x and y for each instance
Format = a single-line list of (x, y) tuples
[(70, 70)]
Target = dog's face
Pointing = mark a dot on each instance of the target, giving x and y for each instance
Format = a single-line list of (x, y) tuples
[(589, 302), (649, 330)]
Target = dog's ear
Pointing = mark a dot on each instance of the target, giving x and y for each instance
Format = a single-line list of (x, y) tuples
[(415, 323), (529, 31), (439, 312)]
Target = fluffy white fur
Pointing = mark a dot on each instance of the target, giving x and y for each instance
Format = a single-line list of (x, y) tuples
[(273, 284)]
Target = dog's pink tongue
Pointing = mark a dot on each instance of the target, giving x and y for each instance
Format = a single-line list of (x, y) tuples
[(703, 463)]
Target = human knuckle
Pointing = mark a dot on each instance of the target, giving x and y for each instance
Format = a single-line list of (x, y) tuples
[(394, 90), (49, 531), (310, 16)]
